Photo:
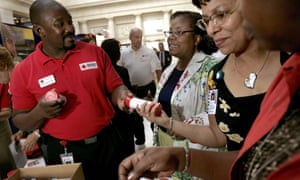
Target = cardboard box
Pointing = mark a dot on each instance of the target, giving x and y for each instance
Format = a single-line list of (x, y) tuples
[(68, 171)]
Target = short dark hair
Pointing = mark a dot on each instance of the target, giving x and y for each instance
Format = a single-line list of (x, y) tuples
[(88, 37), (198, 3), (39, 6), (207, 45), (112, 48)]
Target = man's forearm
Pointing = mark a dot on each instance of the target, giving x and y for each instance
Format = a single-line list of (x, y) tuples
[(28, 120)]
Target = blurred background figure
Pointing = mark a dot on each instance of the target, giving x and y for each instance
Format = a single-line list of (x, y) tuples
[(164, 56), (9, 39), (89, 38), (6, 66), (123, 121)]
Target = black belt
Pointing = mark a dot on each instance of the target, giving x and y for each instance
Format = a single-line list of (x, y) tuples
[(90, 140), (86, 141)]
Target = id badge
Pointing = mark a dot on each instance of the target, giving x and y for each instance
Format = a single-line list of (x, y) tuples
[(212, 99), (46, 81), (67, 158)]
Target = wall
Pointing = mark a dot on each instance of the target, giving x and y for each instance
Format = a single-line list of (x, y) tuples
[(112, 18)]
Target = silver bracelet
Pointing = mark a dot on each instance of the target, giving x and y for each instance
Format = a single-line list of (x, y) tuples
[(187, 158)]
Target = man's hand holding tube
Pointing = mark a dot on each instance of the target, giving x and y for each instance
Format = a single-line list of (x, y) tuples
[(119, 96)]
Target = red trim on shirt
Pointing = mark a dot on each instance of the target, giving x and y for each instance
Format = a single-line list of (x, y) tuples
[(275, 104)]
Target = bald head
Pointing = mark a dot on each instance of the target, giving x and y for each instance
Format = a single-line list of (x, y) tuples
[(39, 7), (134, 31), (136, 36)]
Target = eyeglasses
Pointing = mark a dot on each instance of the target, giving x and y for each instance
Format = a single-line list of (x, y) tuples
[(176, 33), (217, 19)]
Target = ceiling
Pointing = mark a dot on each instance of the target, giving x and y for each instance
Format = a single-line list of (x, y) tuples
[(79, 3)]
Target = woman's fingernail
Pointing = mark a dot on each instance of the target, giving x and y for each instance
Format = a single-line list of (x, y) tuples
[(129, 177)]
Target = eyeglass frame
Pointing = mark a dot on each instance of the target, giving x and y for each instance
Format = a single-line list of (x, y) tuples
[(215, 18), (176, 33)]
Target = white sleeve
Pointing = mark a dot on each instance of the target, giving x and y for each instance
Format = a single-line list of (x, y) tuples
[(155, 63)]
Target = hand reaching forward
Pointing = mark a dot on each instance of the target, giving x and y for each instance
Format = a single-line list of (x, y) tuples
[(151, 162), (31, 141)]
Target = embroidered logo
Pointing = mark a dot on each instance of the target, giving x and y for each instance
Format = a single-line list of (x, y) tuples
[(88, 65)]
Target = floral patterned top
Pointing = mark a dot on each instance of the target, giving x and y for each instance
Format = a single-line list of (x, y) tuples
[(235, 115), (187, 100), (189, 94)]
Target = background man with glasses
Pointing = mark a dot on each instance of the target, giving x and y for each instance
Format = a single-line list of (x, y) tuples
[(164, 56)]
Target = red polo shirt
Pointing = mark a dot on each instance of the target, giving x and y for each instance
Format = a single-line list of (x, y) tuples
[(273, 108), (85, 76)]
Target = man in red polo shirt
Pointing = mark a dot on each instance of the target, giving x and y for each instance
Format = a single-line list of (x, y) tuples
[(272, 146), (75, 123)]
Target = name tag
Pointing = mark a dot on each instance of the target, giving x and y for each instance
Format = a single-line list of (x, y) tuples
[(88, 65), (46, 81), (67, 158), (212, 100)]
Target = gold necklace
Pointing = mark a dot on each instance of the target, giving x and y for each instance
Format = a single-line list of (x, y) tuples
[(249, 81)]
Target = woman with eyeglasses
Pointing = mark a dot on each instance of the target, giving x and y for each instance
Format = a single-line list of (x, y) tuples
[(181, 89), (242, 78), (236, 85)]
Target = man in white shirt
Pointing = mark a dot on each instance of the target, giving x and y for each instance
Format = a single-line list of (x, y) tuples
[(144, 70)]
